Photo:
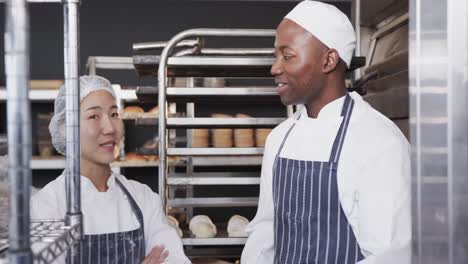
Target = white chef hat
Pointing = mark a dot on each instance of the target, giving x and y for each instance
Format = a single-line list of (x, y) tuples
[(328, 24), (88, 84)]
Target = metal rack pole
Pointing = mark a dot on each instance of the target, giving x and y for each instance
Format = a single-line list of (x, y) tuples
[(19, 128), (162, 84), (71, 66)]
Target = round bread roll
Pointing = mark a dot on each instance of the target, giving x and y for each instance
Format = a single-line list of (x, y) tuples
[(174, 224), (151, 144), (237, 225), (132, 156), (154, 110), (172, 220), (133, 109), (221, 116), (202, 227), (173, 159), (214, 82), (151, 157)]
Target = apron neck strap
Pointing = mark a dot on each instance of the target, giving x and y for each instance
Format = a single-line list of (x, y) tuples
[(135, 208), (339, 139), (346, 112)]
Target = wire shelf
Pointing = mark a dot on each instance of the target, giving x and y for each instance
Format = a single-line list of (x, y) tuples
[(49, 240)]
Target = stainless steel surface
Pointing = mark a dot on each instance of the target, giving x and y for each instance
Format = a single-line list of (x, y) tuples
[(161, 44), (213, 181), (215, 66), (238, 51), (201, 122), (228, 178), (162, 84), (388, 28), (48, 164), (50, 95), (227, 161), (52, 238), (220, 61), (202, 95), (91, 65), (37, 1), (53, 164), (214, 202), (438, 73), (214, 151), (35, 95), (401, 20), (109, 63), (231, 61), (71, 38), (356, 17), (226, 51), (222, 91), (189, 190), (18, 128)]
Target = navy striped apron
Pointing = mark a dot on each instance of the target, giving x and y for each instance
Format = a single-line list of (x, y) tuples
[(114, 248), (310, 225)]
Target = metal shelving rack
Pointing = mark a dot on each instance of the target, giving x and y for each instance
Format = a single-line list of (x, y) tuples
[(39, 241), (185, 55)]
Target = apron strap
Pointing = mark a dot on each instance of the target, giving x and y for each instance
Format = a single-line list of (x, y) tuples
[(339, 139), (346, 112), (136, 210), (286, 137)]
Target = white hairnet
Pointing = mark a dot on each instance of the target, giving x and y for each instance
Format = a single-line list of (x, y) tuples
[(88, 84), (327, 23)]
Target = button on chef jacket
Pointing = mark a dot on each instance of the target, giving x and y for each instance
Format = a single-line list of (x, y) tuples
[(110, 212), (373, 180)]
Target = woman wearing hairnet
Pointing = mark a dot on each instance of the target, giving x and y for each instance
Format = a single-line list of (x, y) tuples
[(122, 219)]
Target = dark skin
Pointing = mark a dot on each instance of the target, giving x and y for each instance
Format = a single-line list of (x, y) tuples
[(306, 70)]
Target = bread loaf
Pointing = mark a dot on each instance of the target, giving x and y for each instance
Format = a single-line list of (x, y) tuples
[(237, 225), (222, 137), (201, 226), (133, 109), (243, 137)]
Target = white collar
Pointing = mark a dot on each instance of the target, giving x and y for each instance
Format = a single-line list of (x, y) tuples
[(331, 110), (87, 184)]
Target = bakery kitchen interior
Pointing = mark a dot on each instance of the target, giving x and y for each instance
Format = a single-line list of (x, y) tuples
[(152, 121)]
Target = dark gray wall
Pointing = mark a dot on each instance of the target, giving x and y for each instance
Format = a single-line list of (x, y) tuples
[(109, 27)]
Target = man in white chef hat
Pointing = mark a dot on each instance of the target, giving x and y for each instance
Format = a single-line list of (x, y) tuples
[(335, 182)]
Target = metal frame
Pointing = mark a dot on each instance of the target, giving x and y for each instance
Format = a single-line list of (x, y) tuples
[(19, 128), (209, 58), (439, 133), (109, 63), (162, 81), (19, 135), (57, 235), (397, 22)]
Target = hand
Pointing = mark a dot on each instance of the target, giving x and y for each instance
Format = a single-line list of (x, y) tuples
[(157, 255)]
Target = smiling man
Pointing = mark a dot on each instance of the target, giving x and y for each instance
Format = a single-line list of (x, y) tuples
[(335, 183)]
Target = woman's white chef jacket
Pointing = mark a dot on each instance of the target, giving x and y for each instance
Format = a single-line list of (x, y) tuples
[(110, 212)]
